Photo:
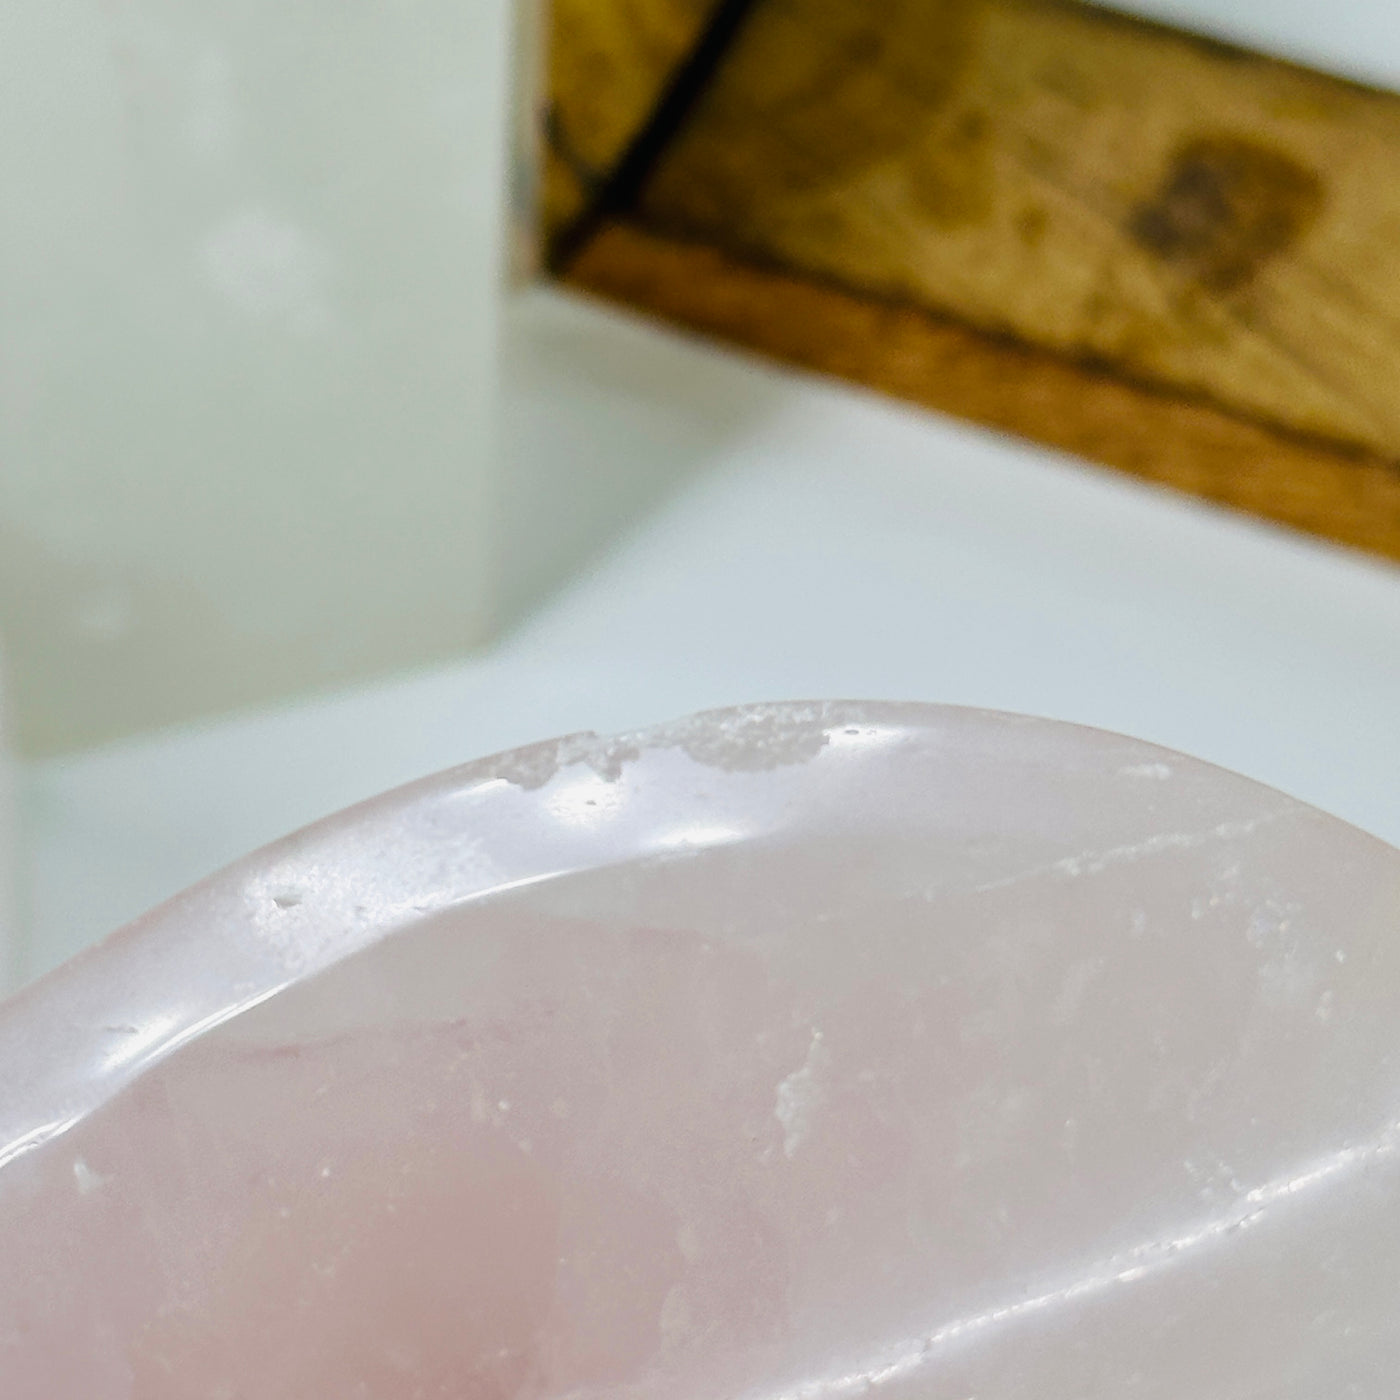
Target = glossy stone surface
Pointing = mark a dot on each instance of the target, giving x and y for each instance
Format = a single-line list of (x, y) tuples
[(787, 1053)]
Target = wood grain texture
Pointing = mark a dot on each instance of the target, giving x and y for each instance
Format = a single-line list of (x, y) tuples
[(1161, 253), (1190, 444), (1213, 221)]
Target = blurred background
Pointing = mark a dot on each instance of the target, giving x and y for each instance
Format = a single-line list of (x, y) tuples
[(384, 384)]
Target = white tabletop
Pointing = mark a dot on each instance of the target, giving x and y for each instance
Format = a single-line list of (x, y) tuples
[(824, 543)]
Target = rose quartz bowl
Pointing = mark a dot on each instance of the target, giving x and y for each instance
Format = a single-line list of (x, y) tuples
[(793, 1052)]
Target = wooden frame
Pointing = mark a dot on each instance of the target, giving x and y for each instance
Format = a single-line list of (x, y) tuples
[(1166, 255)]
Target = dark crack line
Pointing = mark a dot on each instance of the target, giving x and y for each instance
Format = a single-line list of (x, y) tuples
[(624, 184)]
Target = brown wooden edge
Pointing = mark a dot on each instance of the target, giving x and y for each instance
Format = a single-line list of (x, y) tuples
[(941, 364)]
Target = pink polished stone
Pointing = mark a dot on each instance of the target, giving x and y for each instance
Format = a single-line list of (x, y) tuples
[(789, 1053)]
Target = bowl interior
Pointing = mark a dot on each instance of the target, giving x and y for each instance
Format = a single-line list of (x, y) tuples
[(867, 1049)]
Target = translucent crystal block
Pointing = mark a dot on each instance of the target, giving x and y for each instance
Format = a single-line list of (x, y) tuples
[(786, 1053)]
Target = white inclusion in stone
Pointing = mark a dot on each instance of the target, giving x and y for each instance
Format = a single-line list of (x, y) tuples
[(87, 1179), (800, 1095)]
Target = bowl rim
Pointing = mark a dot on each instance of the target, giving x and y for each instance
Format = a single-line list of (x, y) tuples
[(74, 1038)]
